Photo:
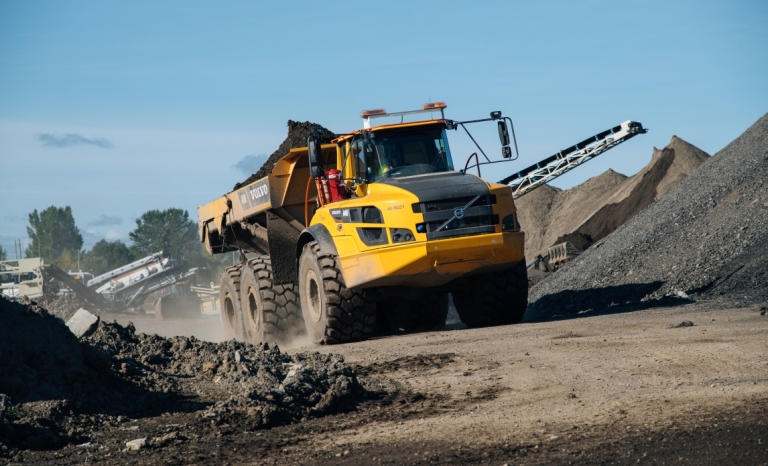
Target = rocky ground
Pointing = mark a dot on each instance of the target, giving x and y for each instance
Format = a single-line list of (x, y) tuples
[(59, 391), (620, 387)]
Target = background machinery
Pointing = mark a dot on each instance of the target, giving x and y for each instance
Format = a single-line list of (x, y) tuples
[(117, 290)]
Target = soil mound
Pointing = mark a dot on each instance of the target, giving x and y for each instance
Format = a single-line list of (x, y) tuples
[(707, 237), (260, 379), (40, 359), (59, 381), (297, 137)]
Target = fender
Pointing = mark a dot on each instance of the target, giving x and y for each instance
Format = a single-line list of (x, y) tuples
[(320, 234)]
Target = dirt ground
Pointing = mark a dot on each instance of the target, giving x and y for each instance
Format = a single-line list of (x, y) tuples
[(619, 388)]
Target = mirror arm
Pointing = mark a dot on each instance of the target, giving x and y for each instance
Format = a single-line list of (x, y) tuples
[(473, 139)]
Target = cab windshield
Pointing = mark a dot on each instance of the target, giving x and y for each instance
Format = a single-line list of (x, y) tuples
[(402, 152)]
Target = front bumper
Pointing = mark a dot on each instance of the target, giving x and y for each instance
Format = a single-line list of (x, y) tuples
[(433, 263)]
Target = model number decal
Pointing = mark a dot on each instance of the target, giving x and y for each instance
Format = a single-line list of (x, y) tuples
[(396, 207)]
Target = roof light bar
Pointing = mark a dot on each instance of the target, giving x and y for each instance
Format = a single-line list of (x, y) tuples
[(434, 105), (367, 115)]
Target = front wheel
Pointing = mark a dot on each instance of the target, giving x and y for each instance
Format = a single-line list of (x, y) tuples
[(332, 312), (496, 298)]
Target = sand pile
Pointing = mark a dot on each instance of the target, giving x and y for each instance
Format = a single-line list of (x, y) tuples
[(708, 237), (588, 212), (58, 382), (297, 137)]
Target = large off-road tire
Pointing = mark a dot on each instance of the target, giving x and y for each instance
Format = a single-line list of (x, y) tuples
[(332, 312), (231, 311), (270, 312), (496, 298), (400, 315)]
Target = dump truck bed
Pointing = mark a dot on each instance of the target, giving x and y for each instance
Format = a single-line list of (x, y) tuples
[(238, 219)]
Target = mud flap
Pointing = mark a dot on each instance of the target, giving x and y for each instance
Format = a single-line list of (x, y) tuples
[(282, 250)]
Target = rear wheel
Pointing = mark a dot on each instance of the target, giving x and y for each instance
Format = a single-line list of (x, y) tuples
[(270, 312), (496, 298), (231, 311), (332, 312)]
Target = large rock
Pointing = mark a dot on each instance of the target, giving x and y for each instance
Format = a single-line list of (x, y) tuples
[(83, 323)]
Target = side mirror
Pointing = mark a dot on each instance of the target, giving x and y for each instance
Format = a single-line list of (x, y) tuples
[(503, 133), (315, 158)]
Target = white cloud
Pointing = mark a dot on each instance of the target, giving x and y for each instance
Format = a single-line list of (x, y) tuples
[(250, 163)]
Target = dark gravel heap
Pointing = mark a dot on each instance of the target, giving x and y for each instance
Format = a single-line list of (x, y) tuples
[(57, 384), (706, 238), (63, 306), (259, 379), (298, 133)]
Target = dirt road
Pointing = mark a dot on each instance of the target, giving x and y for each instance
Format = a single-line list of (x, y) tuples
[(621, 388)]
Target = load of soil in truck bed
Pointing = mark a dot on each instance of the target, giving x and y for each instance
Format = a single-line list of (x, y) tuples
[(298, 133)]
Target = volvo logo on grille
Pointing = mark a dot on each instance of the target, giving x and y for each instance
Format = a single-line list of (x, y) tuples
[(459, 213)]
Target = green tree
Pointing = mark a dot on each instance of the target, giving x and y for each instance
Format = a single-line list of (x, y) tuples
[(105, 256), (3, 254), (54, 234), (168, 230)]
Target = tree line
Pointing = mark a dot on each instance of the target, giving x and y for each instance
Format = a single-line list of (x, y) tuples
[(55, 237)]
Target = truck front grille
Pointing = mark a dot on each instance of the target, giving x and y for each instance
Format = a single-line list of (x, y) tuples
[(476, 219)]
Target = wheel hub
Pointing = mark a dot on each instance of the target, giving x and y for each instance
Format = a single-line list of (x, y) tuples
[(253, 310), (311, 284), (229, 312)]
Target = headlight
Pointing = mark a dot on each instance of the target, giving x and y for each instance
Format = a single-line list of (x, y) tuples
[(401, 235)]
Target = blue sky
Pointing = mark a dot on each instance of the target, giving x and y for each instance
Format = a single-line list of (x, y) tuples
[(115, 108)]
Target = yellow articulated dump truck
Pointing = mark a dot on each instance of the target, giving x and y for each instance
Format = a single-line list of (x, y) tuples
[(370, 230)]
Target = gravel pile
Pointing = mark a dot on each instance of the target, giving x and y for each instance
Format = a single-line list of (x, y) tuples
[(707, 237), (588, 212), (57, 384), (297, 137), (547, 213), (63, 306), (667, 168)]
